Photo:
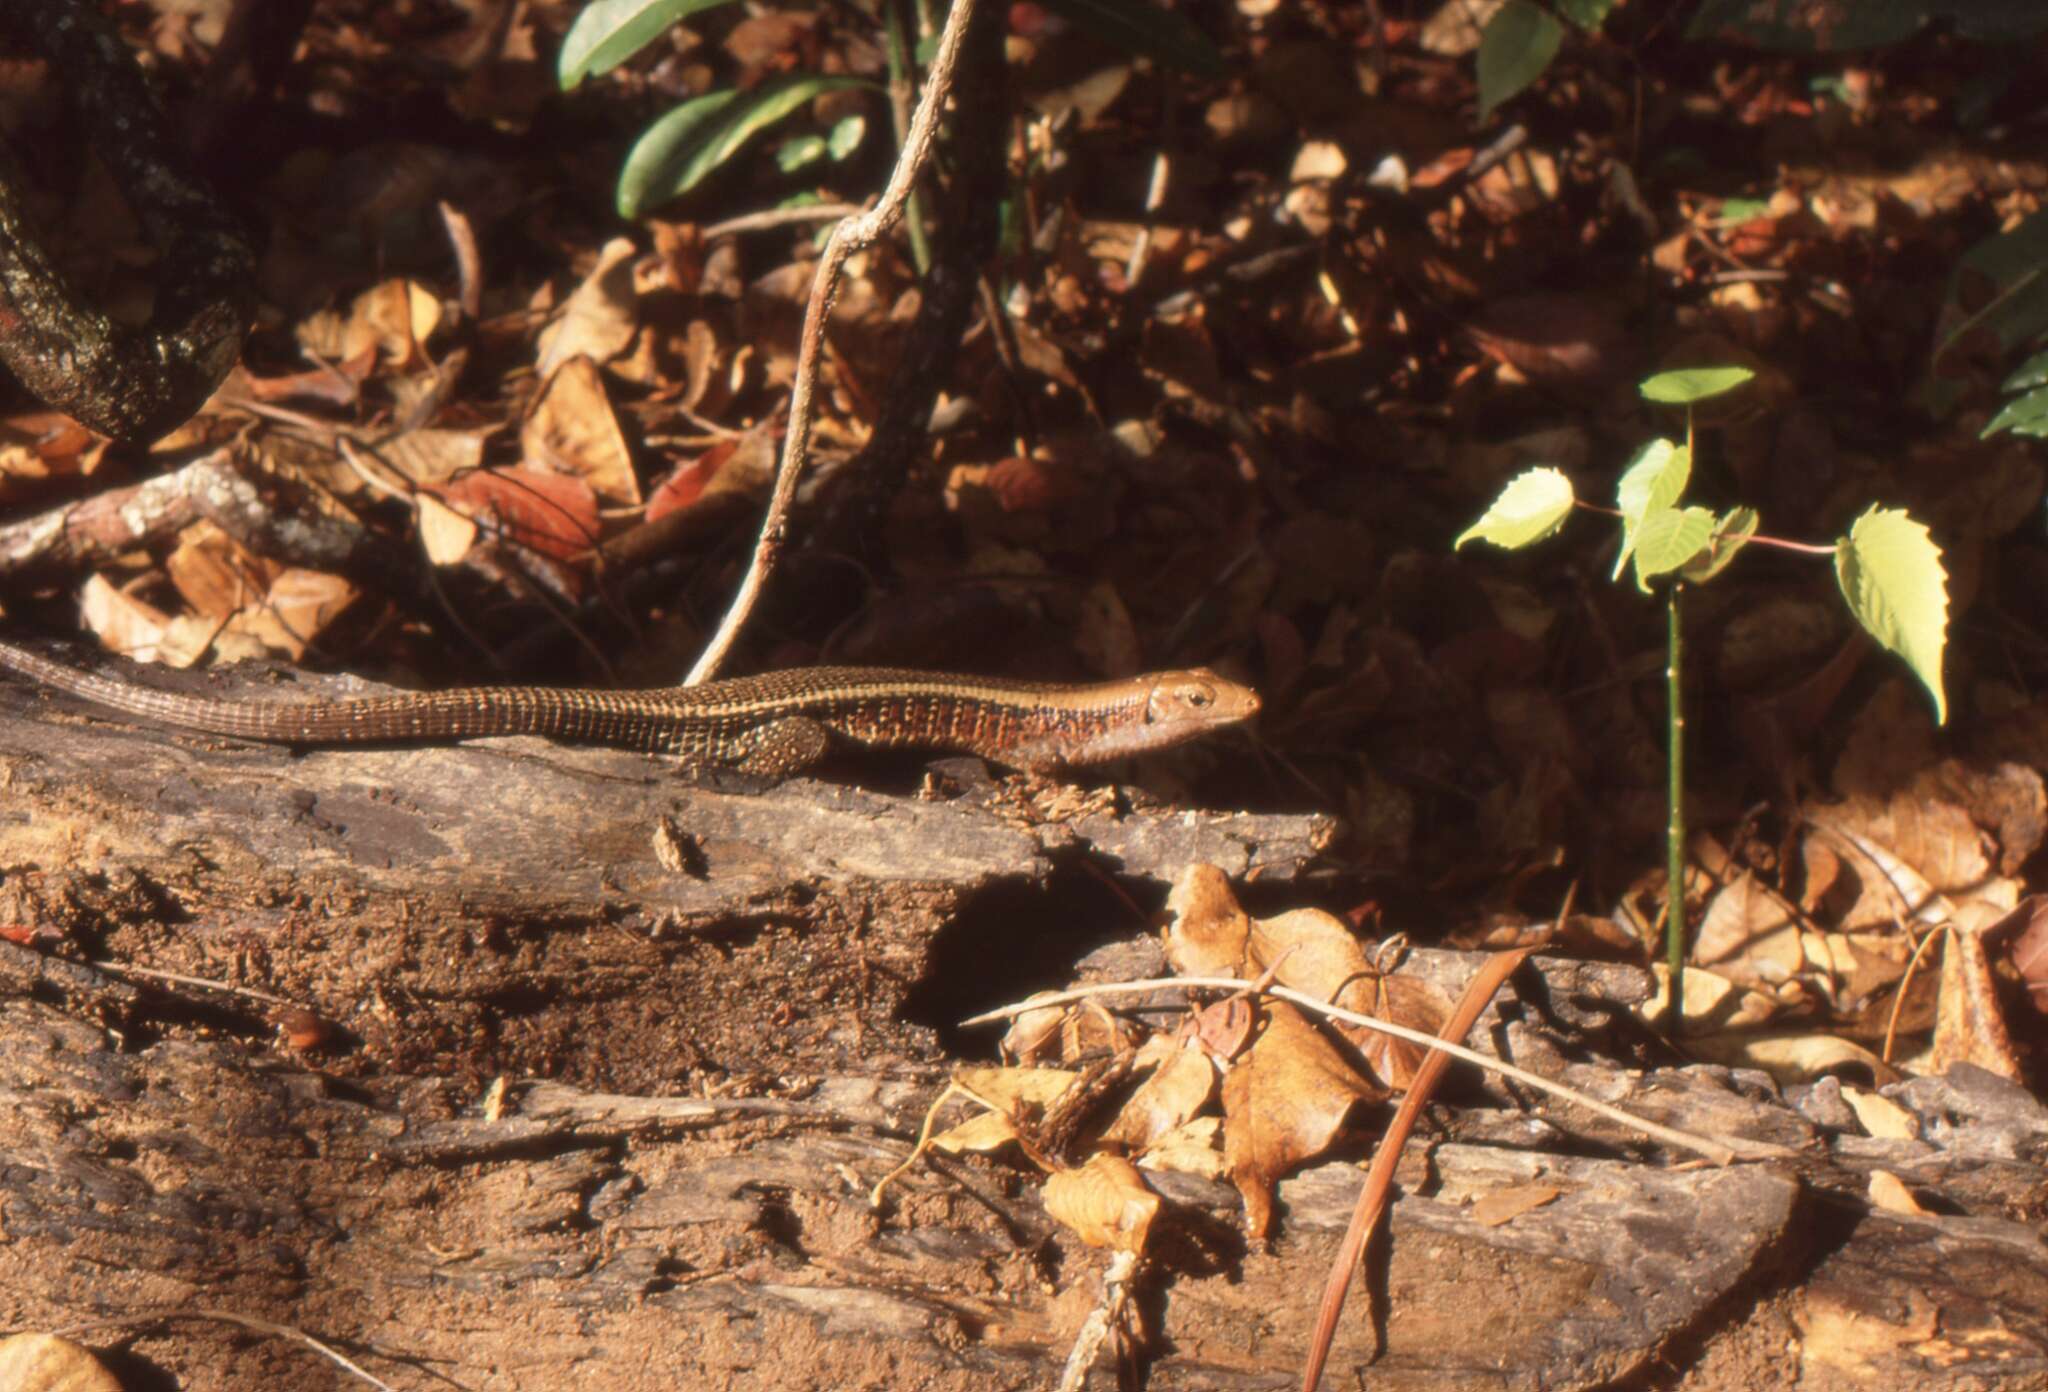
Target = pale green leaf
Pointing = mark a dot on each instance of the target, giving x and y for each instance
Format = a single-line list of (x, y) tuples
[(1689, 384), (608, 32), (846, 136), (1518, 44), (1732, 531), (799, 150), (1532, 506), (1890, 572), (1668, 538), (1655, 479)]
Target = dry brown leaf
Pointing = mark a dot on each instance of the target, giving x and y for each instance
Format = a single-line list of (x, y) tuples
[(1890, 1193), (571, 430), (1175, 1092), (599, 319), (49, 1363), (296, 609), (1505, 1205), (126, 625), (391, 320), (1207, 934), (1194, 1147), (213, 575), (434, 456), (2028, 925), (1969, 1023), (1880, 1116), (1284, 1101), (1106, 1202), (445, 534), (1011, 1093)]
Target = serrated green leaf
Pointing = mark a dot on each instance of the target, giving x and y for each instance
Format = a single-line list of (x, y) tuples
[(2031, 373), (1732, 531), (608, 32), (1140, 27), (1654, 479), (1532, 506), (1517, 45), (1689, 384), (2025, 415), (683, 148), (1667, 539), (1890, 573)]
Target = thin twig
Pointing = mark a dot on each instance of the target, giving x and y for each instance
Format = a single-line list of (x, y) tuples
[(1379, 1180), (850, 235), (1722, 1150), (261, 1326), (207, 983)]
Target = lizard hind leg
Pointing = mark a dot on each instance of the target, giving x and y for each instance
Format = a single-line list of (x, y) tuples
[(785, 747)]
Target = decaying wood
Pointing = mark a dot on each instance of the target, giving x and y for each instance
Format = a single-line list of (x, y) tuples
[(619, 1057), (133, 383)]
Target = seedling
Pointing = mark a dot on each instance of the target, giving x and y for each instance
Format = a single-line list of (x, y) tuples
[(1888, 568)]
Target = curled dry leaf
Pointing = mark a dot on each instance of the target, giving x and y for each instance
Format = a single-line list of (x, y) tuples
[(1283, 1103), (47, 1363), (1890, 1193), (1106, 1202)]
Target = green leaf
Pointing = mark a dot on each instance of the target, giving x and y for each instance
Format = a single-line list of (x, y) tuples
[(1668, 538), (1518, 44), (1532, 506), (683, 148), (2025, 415), (608, 32), (799, 150), (1140, 27), (1654, 480), (1737, 210), (1732, 531), (1587, 14), (1996, 304), (846, 136), (1890, 572), (1690, 384), (2031, 373)]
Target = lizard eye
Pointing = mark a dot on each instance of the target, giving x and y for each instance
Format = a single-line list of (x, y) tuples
[(1201, 697)]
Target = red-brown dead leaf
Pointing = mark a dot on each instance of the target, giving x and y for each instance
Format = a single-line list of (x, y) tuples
[(1176, 1091), (548, 513)]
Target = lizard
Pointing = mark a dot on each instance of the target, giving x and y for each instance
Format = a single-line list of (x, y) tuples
[(775, 724)]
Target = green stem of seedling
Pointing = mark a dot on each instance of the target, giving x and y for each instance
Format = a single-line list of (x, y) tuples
[(902, 82), (1674, 831)]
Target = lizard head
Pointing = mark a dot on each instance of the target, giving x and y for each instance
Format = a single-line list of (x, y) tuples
[(1198, 699)]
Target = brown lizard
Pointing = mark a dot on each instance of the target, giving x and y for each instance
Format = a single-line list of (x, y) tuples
[(775, 724)]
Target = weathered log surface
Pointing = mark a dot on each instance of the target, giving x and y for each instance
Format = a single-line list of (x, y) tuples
[(601, 934)]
